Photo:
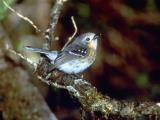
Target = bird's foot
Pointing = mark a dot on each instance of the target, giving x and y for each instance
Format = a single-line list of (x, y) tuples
[(77, 76)]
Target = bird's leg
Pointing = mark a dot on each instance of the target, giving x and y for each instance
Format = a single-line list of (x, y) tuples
[(77, 75), (51, 69)]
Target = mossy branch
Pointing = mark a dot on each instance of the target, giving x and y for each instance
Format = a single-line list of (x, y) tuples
[(92, 101)]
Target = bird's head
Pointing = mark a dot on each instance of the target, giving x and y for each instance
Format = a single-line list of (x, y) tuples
[(88, 39)]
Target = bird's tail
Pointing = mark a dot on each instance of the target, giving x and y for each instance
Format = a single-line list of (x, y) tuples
[(51, 55), (37, 50)]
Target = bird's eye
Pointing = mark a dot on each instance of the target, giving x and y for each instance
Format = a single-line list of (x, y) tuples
[(87, 39)]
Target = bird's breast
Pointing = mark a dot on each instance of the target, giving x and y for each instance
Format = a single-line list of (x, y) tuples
[(79, 64), (76, 65)]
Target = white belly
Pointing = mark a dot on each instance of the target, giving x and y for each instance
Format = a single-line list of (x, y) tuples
[(74, 66)]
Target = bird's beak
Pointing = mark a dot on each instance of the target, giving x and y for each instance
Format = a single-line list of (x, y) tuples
[(96, 37)]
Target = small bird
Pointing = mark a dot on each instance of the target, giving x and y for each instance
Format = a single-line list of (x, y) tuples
[(75, 57)]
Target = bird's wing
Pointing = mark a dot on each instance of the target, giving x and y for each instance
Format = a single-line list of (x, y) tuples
[(77, 50), (70, 53)]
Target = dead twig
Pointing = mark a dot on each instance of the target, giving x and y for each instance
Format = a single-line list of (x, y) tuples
[(24, 58), (75, 32), (50, 31), (21, 16)]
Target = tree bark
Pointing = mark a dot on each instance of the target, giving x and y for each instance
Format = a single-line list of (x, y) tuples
[(19, 98)]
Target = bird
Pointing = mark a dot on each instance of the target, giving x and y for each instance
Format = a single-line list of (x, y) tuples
[(76, 57)]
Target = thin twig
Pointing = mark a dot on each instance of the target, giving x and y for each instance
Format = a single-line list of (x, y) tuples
[(51, 83), (17, 79), (21, 16), (24, 58), (75, 32), (49, 33)]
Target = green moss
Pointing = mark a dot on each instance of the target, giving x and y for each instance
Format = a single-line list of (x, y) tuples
[(94, 101)]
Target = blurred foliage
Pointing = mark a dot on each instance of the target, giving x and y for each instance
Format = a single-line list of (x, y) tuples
[(4, 9), (142, 80), (151, 5), (127, 11), (83, 10)]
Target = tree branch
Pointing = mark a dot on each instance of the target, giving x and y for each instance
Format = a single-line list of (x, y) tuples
[(20, 99), (94, 102), (50, 31), (71, 37), (22, 17)]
